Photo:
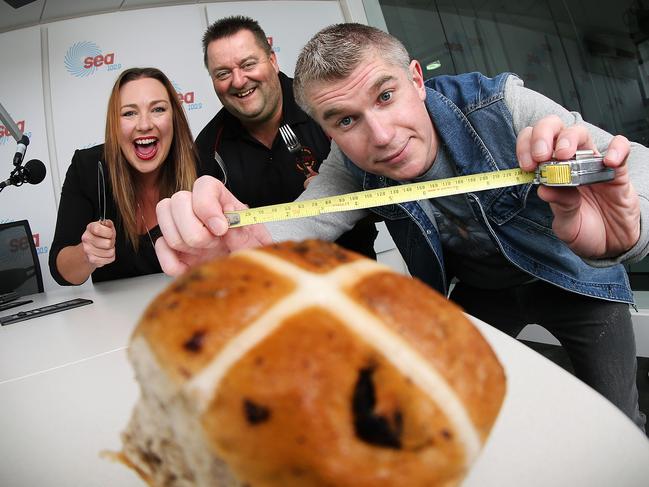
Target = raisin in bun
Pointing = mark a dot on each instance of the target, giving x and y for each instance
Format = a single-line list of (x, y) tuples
[(303, 364)]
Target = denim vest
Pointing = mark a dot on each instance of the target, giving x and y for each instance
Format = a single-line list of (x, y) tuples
[(471, 118)]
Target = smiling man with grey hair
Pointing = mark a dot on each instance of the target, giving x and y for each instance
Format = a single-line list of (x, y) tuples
[(519, 255)]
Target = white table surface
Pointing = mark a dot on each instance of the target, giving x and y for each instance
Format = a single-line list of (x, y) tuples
[(63, 338), (67, 390)]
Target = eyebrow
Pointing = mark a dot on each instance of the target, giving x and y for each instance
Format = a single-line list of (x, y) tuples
[(376, 86), (154, 102)]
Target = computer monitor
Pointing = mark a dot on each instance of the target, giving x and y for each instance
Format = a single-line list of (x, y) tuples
[(20, 270)]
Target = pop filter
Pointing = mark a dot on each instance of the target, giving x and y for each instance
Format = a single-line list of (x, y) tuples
[(34, 171)]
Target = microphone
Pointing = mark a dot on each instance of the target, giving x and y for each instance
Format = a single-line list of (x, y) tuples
[(21, 148), (33, 172)]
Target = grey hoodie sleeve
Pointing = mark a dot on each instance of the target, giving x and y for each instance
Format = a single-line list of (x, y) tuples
[(333, 179), (528, 107)]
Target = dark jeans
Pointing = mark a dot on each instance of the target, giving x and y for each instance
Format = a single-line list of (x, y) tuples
[(597, 335)]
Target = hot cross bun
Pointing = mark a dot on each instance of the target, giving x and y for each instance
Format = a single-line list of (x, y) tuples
[(303, 364)]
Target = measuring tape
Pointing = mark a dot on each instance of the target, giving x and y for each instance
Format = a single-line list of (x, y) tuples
[(583, 169)]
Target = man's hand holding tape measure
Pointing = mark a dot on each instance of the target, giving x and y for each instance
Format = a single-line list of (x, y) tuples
[(599, 220), (194, 228), (596, 221)]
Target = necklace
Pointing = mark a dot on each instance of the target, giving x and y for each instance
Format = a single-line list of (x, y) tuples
[(145, 225)]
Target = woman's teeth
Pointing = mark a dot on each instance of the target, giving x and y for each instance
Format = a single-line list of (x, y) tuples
[(146, 148), (145, 141)]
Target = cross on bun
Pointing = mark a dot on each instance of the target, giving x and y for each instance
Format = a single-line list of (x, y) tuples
[(304, 364)]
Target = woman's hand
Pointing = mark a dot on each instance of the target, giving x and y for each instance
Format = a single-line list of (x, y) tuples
[(98, 243)]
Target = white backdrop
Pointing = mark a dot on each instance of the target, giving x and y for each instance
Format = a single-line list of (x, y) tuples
[(21, 93), (289, 25), (82, 59), (167, 38)]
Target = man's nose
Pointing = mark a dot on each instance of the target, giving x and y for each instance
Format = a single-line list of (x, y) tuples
[(380, 127), (238, 78)]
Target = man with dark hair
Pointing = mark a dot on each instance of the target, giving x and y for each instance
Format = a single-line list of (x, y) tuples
[(242, 145), (522, 254)]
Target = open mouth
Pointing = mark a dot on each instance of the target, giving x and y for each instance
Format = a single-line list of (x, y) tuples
[(146, 148), (246, 93)]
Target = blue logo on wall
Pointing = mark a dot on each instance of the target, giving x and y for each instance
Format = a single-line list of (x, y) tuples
[(5, 134), (74, 58), (85, 57), (187, 98)]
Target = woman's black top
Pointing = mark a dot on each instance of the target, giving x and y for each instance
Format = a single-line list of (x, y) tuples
[(79, 206)]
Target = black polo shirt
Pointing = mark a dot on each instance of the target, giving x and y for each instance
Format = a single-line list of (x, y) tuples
[(259, 176)]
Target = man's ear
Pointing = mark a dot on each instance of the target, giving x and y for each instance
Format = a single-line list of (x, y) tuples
[(273, 61), (417, 78)]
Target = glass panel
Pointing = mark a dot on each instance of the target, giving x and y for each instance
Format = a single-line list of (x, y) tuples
[(417, 24), (601, 41), (589, 56)]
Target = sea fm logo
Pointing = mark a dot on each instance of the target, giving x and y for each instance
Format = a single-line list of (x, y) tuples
[(21, 244), (40, 249), (187, 98), (275, 49), (5, 134), (85, 58)]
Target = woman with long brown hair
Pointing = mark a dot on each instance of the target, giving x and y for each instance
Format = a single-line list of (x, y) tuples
[(106, 224)]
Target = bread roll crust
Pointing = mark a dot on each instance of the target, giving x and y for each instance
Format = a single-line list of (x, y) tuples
[(198, 314), (304, 364)]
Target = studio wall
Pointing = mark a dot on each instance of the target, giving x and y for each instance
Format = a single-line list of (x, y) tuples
[(21, 94)]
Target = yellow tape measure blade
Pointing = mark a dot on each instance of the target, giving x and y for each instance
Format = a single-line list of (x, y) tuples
[(380, 197)]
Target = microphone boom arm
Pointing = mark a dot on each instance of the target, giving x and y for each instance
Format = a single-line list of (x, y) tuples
[(10, 124)]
